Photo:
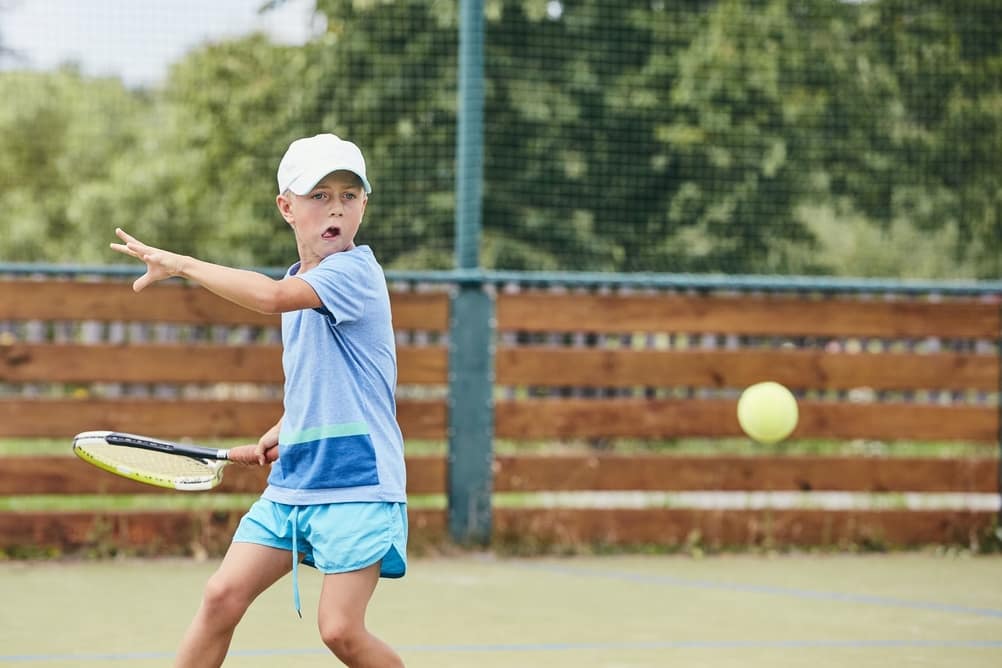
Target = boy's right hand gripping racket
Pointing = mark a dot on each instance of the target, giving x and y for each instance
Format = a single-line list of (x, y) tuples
[(154, 462)]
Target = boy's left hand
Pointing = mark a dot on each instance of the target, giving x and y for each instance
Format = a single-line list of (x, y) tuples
[(160, 264)]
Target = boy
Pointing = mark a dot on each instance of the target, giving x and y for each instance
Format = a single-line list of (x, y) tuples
[(335, 497)]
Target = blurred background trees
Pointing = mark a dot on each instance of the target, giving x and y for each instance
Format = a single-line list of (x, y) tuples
[(772, 136)]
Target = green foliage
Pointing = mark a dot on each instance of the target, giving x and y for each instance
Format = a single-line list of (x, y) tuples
[(201, 178), (772, 136), (928, 151), (853, 245), (389, 84), (742, 135), (59, 136)]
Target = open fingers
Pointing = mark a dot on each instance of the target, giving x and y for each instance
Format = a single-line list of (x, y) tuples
[(135, 248), (123, 235), (132, 246), (125, 250)]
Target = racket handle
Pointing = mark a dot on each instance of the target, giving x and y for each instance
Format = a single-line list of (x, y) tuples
[(247, 454)]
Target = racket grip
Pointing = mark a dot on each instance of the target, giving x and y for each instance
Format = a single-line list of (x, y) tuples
[(247, 454)]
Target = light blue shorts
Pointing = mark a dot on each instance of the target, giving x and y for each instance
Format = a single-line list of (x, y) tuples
[(333, 538)]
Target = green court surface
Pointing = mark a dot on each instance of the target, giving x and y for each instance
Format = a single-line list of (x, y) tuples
[(576, 612)]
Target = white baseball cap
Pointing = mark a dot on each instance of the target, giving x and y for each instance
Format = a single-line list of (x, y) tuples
[(308, 160)]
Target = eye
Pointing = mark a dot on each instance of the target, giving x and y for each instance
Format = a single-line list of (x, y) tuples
[(320, 195), (349, 196)]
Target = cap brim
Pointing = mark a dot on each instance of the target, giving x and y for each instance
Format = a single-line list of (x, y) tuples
[(307, 182)]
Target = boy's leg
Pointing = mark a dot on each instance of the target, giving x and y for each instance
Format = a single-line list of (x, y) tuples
[(246, 571), (343, 601)]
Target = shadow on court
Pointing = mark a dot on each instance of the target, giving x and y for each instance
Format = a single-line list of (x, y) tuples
[(580, 612)]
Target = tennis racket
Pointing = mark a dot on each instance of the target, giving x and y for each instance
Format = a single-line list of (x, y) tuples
[(162, 463)]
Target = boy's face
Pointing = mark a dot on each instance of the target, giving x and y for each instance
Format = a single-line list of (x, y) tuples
[(326, 219)]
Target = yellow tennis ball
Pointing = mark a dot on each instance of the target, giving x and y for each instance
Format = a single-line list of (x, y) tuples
[(767, 412)]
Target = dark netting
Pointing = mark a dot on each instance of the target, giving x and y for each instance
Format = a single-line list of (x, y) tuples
[(859, 138)]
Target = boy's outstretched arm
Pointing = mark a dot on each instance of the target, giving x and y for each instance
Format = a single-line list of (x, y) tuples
[(249, 289)]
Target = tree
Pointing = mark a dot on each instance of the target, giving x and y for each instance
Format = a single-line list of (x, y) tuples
[(918, 102), (201, 179), (696, 135), (389, 71), (59, 133), (732, 138)]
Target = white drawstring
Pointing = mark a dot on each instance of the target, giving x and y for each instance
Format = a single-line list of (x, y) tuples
[(294, 518)]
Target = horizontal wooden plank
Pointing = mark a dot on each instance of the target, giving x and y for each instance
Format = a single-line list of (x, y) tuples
[(115, 301), (785, 315), (26, 475), (168, 418), (139, 533), (537, 419), (420, 311), (184, 532), (680, 527), (816, 369), (182, 363), (748, 473), (150, 533), (176, 302), (55, 474), (24, 299), (537, 365), (670, 418), (62, 418), (140, 363), (422, 365)]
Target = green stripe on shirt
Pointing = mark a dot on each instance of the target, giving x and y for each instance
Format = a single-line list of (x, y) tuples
[(328, 431)]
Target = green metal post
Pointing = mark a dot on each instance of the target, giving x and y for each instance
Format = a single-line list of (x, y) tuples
[(471, 416), (471, 329), (470, 134)]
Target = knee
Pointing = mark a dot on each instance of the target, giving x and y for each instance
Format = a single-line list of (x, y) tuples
[(343, 637), (222, 601)]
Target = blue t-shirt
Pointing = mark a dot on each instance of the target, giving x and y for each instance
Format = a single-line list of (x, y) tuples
[(339, 439)]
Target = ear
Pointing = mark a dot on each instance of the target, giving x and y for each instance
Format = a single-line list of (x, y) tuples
[(284, 205)]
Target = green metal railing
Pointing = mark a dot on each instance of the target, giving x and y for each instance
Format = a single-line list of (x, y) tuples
[(699, 282)]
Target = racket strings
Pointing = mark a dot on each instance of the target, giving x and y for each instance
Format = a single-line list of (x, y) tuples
[(150, 462)]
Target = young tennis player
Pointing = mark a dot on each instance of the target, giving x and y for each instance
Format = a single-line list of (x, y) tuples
[(336, 492)]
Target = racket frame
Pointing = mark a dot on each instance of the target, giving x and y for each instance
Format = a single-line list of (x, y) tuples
[(214, 459)]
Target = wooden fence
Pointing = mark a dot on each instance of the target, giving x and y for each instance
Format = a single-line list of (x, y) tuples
[(583, 365)]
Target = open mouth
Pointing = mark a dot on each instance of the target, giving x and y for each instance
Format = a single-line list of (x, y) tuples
[(331, 232)]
